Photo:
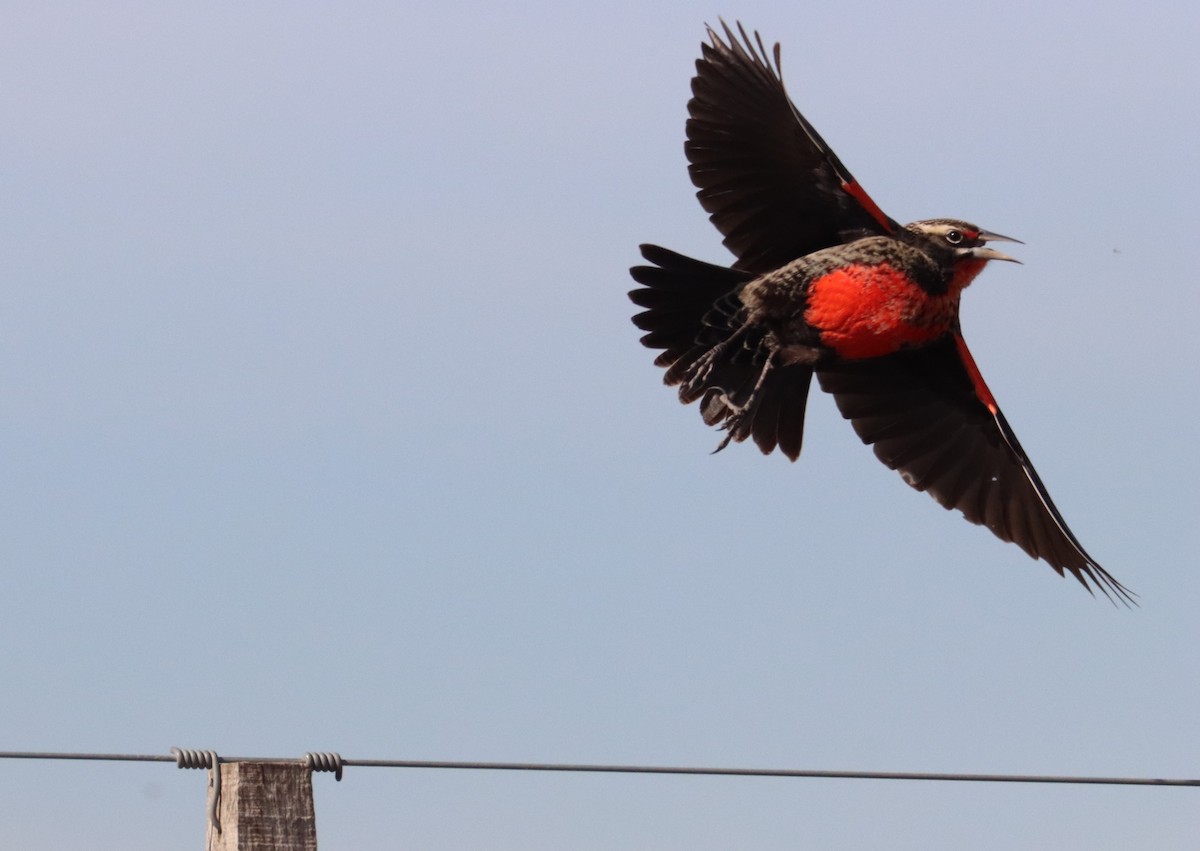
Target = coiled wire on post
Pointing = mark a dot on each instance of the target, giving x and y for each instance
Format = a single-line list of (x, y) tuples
[(204, 759), (324, 761)]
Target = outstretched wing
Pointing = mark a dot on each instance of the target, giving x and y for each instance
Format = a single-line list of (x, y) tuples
[(930, 416), (768, 180)]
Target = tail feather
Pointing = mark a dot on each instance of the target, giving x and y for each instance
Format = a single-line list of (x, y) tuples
[(779, 419), (677, 293), (709, 349)]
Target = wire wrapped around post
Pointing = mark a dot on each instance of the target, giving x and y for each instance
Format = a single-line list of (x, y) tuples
[(324, 761), (204, 759)]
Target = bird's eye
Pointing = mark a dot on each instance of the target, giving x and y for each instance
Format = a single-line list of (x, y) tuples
[(954, 237)]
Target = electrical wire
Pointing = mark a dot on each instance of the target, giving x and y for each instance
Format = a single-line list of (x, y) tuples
[(329, 761)]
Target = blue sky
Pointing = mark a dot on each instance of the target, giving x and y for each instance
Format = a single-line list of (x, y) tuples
[(325, 428)]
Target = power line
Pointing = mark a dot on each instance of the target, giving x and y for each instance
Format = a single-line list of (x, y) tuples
[(334, 762)]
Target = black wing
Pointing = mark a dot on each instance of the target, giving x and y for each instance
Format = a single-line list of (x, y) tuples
[(770, 183), (932, 419)]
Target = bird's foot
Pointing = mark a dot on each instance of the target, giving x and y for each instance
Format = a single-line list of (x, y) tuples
[(739, 419), (737, 423), (697, 375)]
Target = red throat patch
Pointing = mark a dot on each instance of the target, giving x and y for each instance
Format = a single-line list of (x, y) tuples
[(966, 271)]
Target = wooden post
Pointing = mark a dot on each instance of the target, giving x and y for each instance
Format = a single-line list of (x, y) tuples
[(265, 806)]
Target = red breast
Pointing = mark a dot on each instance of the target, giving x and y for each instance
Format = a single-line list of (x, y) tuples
[(865, 311)]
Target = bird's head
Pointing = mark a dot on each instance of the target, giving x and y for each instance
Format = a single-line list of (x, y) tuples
[(962, 244)]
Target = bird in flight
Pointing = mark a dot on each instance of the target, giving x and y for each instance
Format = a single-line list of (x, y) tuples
[(826, 283)]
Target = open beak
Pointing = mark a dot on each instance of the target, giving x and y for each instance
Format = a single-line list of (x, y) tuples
[(986, 253)]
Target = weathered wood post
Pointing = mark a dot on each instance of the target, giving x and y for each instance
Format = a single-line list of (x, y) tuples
[(264, 806)]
